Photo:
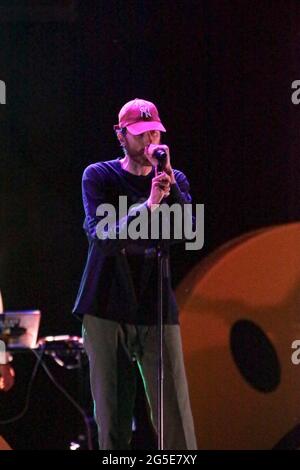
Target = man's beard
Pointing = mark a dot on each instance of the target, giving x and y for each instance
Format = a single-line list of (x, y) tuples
[(139, 157)]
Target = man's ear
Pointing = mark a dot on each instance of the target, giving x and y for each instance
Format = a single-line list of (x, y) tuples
[(121, 138)]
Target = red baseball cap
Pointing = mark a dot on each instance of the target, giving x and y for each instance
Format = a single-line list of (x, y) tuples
[(140, 116)]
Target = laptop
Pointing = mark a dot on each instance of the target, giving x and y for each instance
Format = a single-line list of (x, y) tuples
[(20, 329)]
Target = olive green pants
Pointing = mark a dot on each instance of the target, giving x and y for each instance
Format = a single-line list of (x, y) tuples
[(111, 347)]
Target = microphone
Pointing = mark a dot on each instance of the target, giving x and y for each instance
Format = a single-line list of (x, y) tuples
[(159, 153), (161, 157)]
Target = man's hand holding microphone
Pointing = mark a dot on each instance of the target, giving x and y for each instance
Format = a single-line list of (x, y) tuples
[(159, 157)]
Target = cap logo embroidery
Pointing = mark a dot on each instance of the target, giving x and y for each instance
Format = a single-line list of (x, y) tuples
[(145, 113)]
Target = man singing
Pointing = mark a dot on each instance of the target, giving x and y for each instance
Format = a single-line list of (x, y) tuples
[(117, 298)]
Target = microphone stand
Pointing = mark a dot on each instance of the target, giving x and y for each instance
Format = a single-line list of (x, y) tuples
[(163, 275)]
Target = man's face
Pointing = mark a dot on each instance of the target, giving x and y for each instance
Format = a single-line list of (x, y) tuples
[(135, 145)]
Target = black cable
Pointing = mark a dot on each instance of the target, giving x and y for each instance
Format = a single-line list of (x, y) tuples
[(71, 399), (27, 400)]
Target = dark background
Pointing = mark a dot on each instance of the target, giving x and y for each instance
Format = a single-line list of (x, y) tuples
[(220, 73)]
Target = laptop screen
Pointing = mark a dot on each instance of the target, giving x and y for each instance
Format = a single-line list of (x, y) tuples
[(20, 329)]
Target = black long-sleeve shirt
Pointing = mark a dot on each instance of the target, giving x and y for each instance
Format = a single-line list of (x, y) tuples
[(119, 281)]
